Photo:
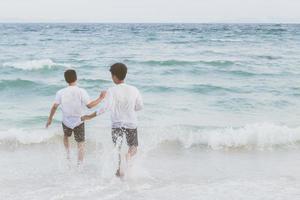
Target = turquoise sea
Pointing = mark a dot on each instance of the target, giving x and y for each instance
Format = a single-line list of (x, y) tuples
[(221, 117)]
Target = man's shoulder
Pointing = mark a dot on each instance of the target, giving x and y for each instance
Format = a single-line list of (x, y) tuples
[(125, 87), (131, 87), (110, 89), (82, 92), (59, 92), (81, 89), (73, 89)]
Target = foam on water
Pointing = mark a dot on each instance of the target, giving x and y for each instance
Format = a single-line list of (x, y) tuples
[(27, 136), (256, 136), (264, 136), (35, 64)]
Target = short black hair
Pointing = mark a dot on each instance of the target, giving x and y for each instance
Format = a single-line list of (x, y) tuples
[(70, 76), (119, 70)]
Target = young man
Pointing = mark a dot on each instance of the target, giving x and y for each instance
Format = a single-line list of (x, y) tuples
[(122, 100), (72, 101)]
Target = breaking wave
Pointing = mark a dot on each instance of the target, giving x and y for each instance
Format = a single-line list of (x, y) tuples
[(36, 64), (254, 136), (16, 136), (262, 136)]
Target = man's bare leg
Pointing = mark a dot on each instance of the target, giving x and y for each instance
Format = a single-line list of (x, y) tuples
[(67, 146), (118, 144), (131, 152), (80, 146), (119, 172)]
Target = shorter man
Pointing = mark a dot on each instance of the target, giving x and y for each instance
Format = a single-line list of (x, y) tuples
[(72, 101), (122, 100)]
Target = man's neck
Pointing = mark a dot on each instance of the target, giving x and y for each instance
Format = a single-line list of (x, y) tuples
[(119, 82), (72, 84)]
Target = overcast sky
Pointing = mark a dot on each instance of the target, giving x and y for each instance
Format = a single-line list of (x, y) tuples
[(150, 11)]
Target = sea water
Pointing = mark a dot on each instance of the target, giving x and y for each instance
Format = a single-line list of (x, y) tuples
[(221, 117)]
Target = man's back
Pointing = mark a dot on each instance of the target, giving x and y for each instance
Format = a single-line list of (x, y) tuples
[(123, 101), (72, 100)]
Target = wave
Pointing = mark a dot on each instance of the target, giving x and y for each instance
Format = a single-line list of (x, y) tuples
[(196, 88), (264, 136), (16, 85), (17, 137), (80, 30), (277, 30), (216, 63), (159, 88), (270, 29), (241, 73), (185, 29), (222, 63), (94, 81), (269, 57), (226, 40), (206, 88), (294, 91), (36, 64)]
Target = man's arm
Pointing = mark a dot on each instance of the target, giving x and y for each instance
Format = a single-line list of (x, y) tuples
[(103, 107), (94, 103), (52, 112), (88, 117)]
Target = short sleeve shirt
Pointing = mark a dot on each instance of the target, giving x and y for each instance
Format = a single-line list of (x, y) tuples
[(72, 101)]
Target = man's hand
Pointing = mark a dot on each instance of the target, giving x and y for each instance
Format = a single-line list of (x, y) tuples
[(49, 121), (84, 118), (88, 117), (102, 95), (52, 112), (97, 101)]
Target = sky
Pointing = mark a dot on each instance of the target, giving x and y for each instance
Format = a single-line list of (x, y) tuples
[(164, 11)]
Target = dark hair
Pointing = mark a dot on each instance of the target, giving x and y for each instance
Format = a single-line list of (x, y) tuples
[(70, 76), (119, 70)]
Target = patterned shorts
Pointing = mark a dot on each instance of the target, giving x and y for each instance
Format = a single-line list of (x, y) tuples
[(131, 136), (78, 132)]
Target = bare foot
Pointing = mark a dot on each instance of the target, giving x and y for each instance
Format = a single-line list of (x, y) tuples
[(119, 174)]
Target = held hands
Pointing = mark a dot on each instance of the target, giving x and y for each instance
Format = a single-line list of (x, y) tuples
[(97, 101), (88, 117), (84, 118)]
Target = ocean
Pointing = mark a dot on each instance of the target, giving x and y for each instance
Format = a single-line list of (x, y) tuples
[(221, 117)]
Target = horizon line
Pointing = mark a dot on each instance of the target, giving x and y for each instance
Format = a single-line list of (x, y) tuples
[(91, 22)]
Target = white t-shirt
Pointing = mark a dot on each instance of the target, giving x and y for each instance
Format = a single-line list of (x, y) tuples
[(72, 101), (122, 101)]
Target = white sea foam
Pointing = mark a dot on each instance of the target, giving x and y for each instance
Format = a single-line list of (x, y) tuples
[(254, 136), (35, 64), (27, 137)]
